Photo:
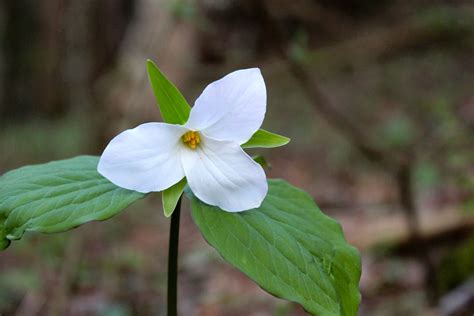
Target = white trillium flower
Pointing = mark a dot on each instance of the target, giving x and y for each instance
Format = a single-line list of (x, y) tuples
[(206, 149)]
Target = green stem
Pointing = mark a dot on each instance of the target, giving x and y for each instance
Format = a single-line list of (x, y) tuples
[(173, 261)]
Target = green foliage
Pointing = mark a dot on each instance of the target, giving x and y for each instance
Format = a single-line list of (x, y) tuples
[(262, 161), (456, 267), (467, 183), (397, 133), (66, 137), (14, 283), (299, 48), (265, 139), (56, 197), (426, 174), (448, 20), (173, 106), (183, 9), (289, 247), (171, 196)]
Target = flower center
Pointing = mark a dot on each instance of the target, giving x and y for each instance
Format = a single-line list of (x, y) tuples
[(191, 139)]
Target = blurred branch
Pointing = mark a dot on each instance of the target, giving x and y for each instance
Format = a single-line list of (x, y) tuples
[(309, 11), (444, 24), (435, 240), (18, 45), (325, 106), (322, 103), (407, 200)]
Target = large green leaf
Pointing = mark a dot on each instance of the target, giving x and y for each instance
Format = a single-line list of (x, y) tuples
[(56, 197), (173, 106), (289, 247), (266, 139)]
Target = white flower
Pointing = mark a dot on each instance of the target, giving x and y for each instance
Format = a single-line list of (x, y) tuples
[(206, 150)]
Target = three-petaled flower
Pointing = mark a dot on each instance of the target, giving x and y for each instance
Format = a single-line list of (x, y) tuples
[(206, 149)]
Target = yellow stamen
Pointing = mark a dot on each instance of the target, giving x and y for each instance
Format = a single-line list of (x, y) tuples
[(191, 139)]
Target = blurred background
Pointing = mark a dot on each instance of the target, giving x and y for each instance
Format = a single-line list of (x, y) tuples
[(377, 97)]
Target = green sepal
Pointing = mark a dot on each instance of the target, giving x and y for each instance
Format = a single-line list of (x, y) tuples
[(266, 139), (170, 197), (262, 161), (173, 106)]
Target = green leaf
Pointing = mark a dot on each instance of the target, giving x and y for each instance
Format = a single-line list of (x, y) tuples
[(170, 197), (173, 106), (56, 197), (289, 247), (265, 139)]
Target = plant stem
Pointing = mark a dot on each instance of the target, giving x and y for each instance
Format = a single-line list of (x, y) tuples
[(173, 261)]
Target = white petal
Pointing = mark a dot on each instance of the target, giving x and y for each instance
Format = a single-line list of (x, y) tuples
[(220, 173), (232, 108), (144, 159)]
